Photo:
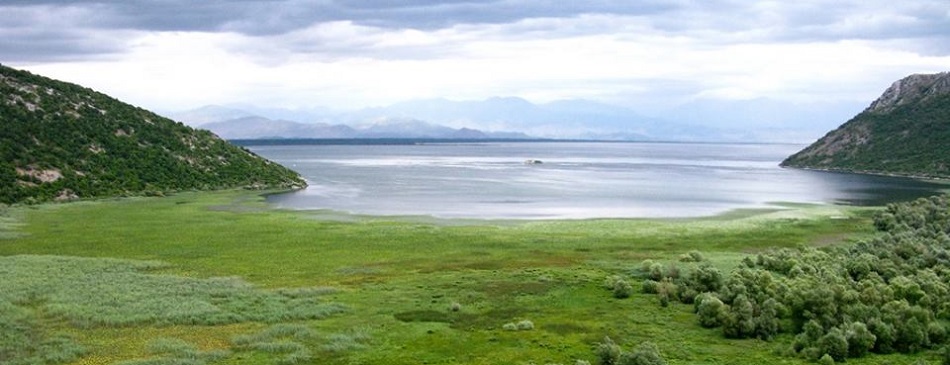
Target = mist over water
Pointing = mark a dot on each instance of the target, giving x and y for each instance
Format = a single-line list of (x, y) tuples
[(575, 180)]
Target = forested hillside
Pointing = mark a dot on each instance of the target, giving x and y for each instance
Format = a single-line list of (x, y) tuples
[(904, 132), (63, 141)]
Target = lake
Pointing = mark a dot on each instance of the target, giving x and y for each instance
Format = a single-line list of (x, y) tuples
[(574, 180)]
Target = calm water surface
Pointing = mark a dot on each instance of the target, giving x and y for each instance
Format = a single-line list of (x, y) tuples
[(575, 180)]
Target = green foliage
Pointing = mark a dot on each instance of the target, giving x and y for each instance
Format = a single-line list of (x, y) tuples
[(63, 141), (646, 353), (692, 256), (608, 352), (650, 286), (618, 286), (525, 325), (622, 289), (885, 294), (710, 310), (834, 344), (860, 339), (705, 278)]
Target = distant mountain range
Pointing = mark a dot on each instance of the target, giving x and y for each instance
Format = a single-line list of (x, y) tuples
[(255, 127), (500, 118), (906, 131)]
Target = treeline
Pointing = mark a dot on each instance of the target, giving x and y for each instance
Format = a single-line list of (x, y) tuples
[(59, 140), (887, 294)]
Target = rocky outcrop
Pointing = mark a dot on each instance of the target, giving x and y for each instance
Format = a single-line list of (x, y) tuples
[(906, 132), (911, 89)]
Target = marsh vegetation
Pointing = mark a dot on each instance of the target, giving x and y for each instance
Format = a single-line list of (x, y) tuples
[(220, 278)]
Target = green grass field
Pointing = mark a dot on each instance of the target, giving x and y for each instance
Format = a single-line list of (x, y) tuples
[(220, 278)]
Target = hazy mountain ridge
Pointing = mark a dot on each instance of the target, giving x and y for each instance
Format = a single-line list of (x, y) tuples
[(63, 141), (906, 131), (257, 127), (759, 120)]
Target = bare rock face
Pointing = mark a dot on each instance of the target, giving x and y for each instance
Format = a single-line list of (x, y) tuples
[(905, 132), (911, 89)]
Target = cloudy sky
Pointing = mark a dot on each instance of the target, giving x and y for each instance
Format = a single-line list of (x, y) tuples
[(180, 54)]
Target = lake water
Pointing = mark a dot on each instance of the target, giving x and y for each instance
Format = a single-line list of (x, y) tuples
[(574, 180)]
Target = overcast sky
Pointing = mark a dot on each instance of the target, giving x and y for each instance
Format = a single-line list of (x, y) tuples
[(180, 54)]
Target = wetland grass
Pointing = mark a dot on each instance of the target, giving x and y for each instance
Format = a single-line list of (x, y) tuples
[(252, 285)]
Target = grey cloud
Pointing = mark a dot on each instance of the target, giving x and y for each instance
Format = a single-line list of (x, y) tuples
[(54, 34), (925, 22), (273, 17)]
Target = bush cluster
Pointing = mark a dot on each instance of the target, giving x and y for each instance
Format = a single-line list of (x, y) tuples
[(523, 325), (887, 294), (647, 353)]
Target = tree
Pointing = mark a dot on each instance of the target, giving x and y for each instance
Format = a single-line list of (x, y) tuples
[(768, 322), (710, 310), (834, 343), (739, 321), (860, 339)]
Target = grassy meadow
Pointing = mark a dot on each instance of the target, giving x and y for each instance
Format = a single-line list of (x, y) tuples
[(221, 278)]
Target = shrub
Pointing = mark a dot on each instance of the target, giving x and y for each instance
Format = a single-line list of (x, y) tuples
[(645, 267), (656, 271), (509, 327), (455, 307), (692, 256), (650, 286), (622, 289), (706, 278), (647, 353), (608, 352), (672, 271), (610, 281), (525, 325), (826, 360)]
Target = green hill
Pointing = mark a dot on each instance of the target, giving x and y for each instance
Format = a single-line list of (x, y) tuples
[(61, 141), (904, 132)]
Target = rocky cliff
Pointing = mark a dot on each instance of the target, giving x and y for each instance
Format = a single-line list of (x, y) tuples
[(906, 132)]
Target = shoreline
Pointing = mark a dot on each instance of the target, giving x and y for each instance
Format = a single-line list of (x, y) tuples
[(935, 179)]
